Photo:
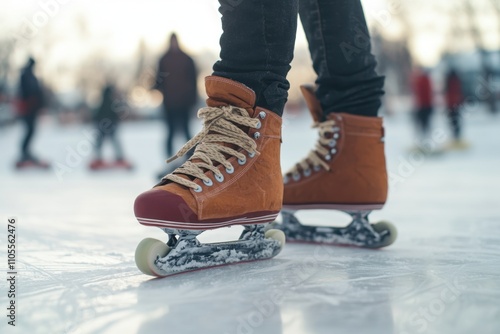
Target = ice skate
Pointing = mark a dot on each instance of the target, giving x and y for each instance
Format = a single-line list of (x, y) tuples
[(346, 171), (122, 164), (31, 163), (233, 178), (456, 145), (99, 165)]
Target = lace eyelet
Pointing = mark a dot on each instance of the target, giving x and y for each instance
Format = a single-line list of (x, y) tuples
[(333, 151), (256, 135), (307, 172), (242, 162), (259, 125), (317, 168), (219, 178), (296, 176), (251, 154), (230, 170), (328, 157), (332, 143), (198, 190), (336, 135), (208, 183), (262, 114)]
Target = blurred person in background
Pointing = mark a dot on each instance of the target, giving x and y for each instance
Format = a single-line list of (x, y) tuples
[(454, 98), (30, 102), (106, 120), (423, 99), (176, 79), (489, 77)]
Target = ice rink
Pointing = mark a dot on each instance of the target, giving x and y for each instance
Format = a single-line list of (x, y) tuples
[(77, 236)]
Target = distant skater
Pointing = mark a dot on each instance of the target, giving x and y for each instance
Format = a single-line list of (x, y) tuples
[(454, 99), (176, 80), (106, 120), (423, 99), (30, 98)]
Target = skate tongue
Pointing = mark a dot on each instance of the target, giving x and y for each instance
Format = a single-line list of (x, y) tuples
[(312, 103), (224, 92)]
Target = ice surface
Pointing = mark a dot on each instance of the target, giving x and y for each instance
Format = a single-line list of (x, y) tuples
[(78, 235)]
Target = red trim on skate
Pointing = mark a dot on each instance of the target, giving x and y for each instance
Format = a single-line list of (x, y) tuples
[(210, 224)]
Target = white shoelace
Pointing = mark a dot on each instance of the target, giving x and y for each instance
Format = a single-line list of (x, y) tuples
[(218, 128), (316, 157)]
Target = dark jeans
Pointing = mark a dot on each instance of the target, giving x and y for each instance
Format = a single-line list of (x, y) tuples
[(30, 124), (177, 121), (257, 48)]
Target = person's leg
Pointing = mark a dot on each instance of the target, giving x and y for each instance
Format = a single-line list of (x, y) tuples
[(29, 122), (116, 143), (234, 174), (170, 120), (454, 116), (426, 121), (346, 170), (257, 47), (98, 144), (340, 48), (184, 123), (418, 116)]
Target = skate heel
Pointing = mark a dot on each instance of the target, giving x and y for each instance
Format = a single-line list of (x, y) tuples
[(230, 179), (184, 252), (360, 232)]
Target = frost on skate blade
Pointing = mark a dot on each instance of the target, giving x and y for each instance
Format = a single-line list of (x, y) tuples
[(188, 253), (358, 233)]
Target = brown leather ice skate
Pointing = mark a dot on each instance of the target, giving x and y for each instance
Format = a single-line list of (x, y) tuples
[(233, 178), (346, 171)]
